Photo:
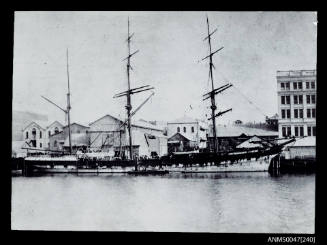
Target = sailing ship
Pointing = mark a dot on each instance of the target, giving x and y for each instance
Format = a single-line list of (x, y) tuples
[(238, 160), (82, 163)]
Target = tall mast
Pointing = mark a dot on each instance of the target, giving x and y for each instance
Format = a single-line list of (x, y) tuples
[(214, 91), (130, 91), (213, 102), (68, 108), (129, 106)]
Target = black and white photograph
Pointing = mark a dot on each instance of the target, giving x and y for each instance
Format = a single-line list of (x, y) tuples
[(164, 121)]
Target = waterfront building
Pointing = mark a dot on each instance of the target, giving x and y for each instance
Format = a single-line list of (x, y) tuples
[(37, 134), (301, 149), (187, 130), (21, 119), (272, 122), (108, 134), (34, 134), (59, 140), (232, 135), (297, 96)]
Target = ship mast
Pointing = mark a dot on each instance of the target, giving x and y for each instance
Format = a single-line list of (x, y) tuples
[(130, 91), (214, 91), (68, 108), (67, 111)]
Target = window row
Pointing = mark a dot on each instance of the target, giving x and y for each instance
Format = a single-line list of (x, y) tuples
[(298, 113), (298, 131), (298, 99), (184, 129), (298, 85), (34, 133)]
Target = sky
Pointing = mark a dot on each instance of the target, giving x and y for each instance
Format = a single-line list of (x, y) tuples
[(256, 45)]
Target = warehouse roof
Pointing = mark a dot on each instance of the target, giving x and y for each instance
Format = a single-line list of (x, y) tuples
[(306, 141), (237, 130)]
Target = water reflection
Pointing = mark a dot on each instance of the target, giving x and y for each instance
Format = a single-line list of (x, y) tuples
[(201, 202)]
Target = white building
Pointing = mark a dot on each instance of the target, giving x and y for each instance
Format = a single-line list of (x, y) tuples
[(193, 129), (36, 134), (107, 134), (297, 96), (304, 148)]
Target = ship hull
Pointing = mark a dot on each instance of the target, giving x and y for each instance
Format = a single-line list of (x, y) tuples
[(246, 165), (260, 164)]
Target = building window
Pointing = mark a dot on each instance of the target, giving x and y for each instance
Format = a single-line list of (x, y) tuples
[(184, 129), (78, 131), (283, 113), (299, 84), (192, 129), (40, 134), (313, 85), (313, 113), (309, 131), (26, 135), (283, 100), (314, 131), (34, 132), (308, 99), (313, 99), (40, 145), (287, 86), (294, 85), (289, 132), (295, 99), (178, 129), (308, 113), (301, 113), (296, 130), (284, 131), (49, 133), (301, 131), (300, 99), (49, 144), (56, 130), (288, 113), (55, 143), (307, 85), (296, 113), (282, 86), (288, 100)]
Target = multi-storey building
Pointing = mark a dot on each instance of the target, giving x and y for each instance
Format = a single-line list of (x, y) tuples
[(37, 135), (297, 97), (189, 130)]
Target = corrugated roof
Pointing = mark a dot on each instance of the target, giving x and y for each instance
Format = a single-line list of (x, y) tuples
[(144, 124), (235, 130), (249, 144), (306, 141), (76, 124), (138, 123)]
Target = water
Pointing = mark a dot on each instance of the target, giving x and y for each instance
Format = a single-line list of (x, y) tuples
[(233, 202)]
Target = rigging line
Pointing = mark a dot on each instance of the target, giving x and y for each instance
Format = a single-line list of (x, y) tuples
[(224, 77), (250, 101)]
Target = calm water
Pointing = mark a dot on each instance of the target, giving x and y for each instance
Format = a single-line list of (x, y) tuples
[(234, 202)]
